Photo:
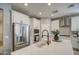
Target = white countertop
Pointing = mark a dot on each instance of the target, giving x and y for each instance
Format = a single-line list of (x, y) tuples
[(55, 48)]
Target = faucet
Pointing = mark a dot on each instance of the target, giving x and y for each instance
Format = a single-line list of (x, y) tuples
[(48, 42)]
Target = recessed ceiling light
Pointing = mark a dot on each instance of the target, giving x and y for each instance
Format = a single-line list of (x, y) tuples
[(26, 4), (52, 15), (49, 4), (40, 13)]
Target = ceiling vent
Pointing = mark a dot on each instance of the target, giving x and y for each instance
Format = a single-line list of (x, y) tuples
[(55, 11), (72, 5)]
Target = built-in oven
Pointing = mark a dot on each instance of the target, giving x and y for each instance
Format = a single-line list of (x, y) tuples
[(36, 35)]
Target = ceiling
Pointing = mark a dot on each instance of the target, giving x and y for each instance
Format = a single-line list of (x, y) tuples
[(33, 9)]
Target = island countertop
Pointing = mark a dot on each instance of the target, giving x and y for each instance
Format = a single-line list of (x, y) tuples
[(54, 48)]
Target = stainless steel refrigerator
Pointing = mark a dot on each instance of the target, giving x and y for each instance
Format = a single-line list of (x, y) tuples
[(21, 35)]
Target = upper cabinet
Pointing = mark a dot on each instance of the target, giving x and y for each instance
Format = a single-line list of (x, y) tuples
[(61, 22), (75, 23), (18, 17), (65, 21)]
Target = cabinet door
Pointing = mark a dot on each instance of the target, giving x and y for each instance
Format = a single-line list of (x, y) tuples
[(68, 21), (62, 22), (65, 21)]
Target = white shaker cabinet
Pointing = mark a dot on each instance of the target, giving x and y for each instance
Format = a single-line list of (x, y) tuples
[(65, 21)]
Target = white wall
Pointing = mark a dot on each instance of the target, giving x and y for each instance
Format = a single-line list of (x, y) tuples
[(1, 25), (6, 28)]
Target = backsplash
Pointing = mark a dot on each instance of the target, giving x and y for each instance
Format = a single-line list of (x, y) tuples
[(65, 29)]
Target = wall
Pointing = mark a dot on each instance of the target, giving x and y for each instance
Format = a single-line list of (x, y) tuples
[(45, 25), (36, 23), (55, 25), (1, 25), (6, 28)]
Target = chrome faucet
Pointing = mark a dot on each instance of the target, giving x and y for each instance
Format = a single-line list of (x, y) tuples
[(48, 42)]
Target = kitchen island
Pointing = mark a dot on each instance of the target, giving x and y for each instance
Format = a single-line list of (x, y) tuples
[(54, 48)]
